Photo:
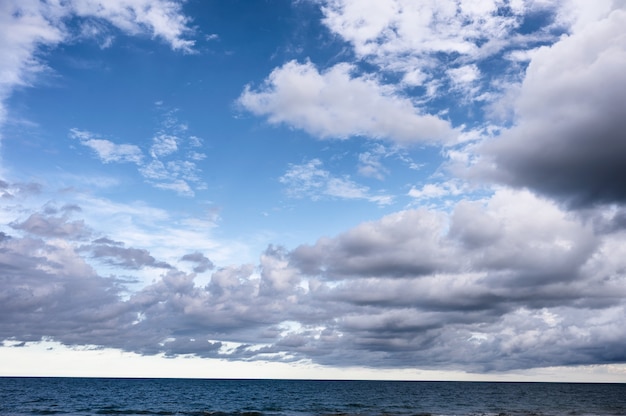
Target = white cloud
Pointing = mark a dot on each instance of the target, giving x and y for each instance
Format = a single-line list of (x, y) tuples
[(111, 152), (159, 18), (337, 104), (179, 186), (438, 190), (165, 168), (163, 145), (23, 27), (371, 166), (389, 31), (419, 40), (414, 77), (579, 13), (465, 76), (310, 180), (108, 151), (28, 25)]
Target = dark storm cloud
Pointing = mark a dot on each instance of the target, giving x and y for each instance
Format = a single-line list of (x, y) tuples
[(608, 221), (569, 139), (202, 262)]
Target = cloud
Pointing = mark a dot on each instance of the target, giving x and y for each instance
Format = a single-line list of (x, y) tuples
[(478, 285), (163, 145), (370, 164), (434, 191), (47, 290), (115, 254), (202, 262), (164, 169), (464, 78), (401, 244), (108, 151), (420, 27), (415, 37), (567, 141), (312, 181), (423, 285), (49, 226), (337, 104), (161, 18), (46, 224), (484, 287), (29, 25)]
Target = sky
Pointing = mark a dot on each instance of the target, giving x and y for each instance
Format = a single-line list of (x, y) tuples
[(383, 189)]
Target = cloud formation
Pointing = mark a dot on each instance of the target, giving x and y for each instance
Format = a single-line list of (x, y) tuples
[(337, 104), (568, 138), (166, 168), (528, 272), (482, 288), (202, 263), (311, 180), (26, 26), (436, 45)]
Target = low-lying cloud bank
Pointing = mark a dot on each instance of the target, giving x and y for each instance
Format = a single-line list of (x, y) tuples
[(484, 287)]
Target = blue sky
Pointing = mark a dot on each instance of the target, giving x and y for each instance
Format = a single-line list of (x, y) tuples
[(313, 188)]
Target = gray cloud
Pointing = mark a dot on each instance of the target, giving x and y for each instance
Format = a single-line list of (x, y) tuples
[(13, 190), (477, 289), (49, 226), (48, 291), (484, 287), (202, 262), (127, 257), (403, 244), (568, 139)]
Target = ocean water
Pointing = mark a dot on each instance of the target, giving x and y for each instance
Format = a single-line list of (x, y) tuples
[(92, 396)]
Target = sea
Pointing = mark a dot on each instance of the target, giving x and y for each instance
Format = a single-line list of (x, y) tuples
[(108, 396)]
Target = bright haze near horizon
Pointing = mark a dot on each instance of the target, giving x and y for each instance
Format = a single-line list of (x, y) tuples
[(393, 189)]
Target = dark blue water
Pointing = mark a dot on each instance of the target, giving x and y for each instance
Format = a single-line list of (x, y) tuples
[(85, 396)]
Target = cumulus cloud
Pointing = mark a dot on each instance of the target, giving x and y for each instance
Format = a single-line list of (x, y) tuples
[(568, 141), (49, 291), (484, 287), (337, 104)]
